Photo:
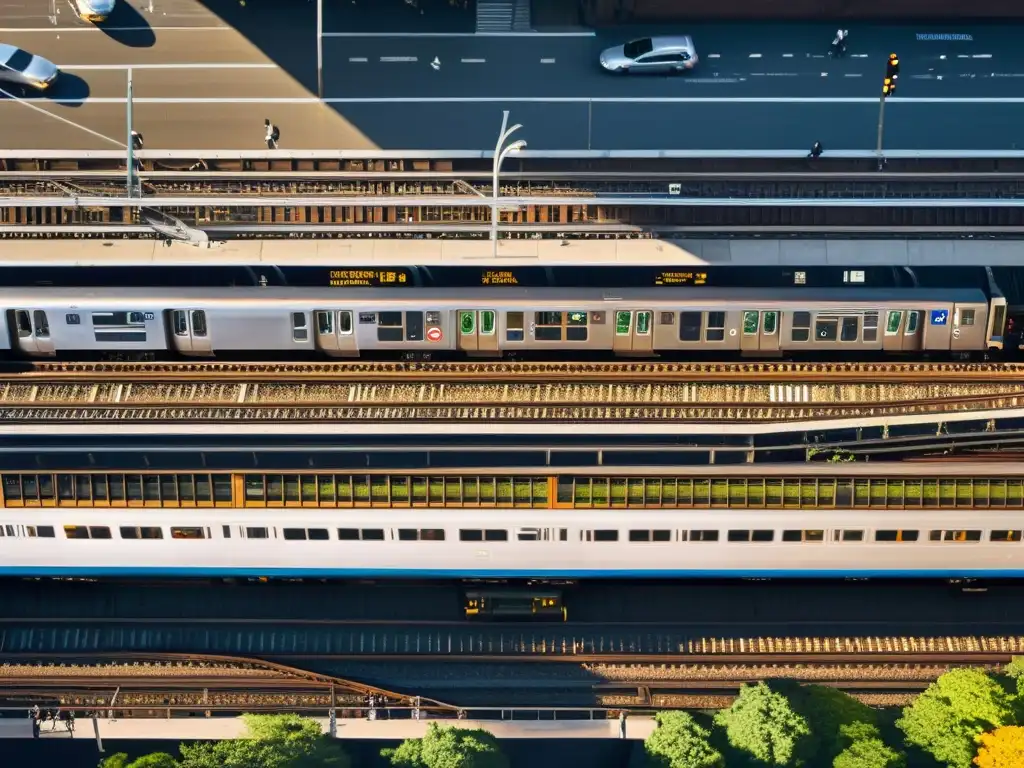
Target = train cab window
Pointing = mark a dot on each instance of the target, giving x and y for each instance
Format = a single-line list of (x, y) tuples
[(715, 330), (826, 328), (299, 330), (967, 316), (42, 325), (698, 535), (813, 535), (41, 531), (849, 330), (913, 319), (771, 323), (870, 326), (896, 535), (324, 323), (954, 536), (751, 322), (23, 322), (689, 326), (893, 319), (801, 327), (256, 532), (1005, 535), (199, 322), (345, 322), (514, 326), (848, 535), (179, 322), (187, 532)]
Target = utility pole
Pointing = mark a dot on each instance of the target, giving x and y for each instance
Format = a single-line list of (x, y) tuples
[(892, 73), (320, 48), (500, 153), (131, 140)]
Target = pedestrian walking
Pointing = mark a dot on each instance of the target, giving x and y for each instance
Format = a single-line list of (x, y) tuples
[(69, 722), (271, 134), (838, 48), (136, 140), (816, 150)]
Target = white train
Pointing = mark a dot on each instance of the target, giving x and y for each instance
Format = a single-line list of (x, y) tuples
[(513, 543)]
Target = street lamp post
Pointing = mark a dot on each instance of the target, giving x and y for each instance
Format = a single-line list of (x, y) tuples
[(320, 48), (130, 142), (500, 152)]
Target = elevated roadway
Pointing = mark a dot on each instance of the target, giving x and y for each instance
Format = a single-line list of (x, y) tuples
[(207, 81)]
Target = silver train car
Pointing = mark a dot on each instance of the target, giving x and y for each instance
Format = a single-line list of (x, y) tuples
[(475, 322), (514, 543)]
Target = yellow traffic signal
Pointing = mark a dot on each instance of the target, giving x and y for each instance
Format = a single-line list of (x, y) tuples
[(888, 87), (892, 67)]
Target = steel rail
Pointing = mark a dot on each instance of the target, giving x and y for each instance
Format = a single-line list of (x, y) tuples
[(474, 201)]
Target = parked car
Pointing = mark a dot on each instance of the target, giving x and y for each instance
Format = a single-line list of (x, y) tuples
[(659, 55)]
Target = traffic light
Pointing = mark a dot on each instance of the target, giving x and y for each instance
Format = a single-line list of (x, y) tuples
[(888, 87), (892, 67)]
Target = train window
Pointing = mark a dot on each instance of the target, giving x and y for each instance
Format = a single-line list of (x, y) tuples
[(703, 535), (187, 532), (801, 327), (548, 333), (42, 325), (603, 535), (623, 323), (576, 326), (421, 534), (967, 317), (76, 532), (715, 330), (486, 322), (666, 318), (643, 322), (644, 535), (954, 536), (467, 322), (870, 326), (471, 534), (690, 326), (42, 531), (759, 535), (751, 322), (141, 532), (576, 318), (23, 322), (849, 331), (998, 321), (812, 535), (299, 330), (1005, 535), (345, 322), (225, 531), (495, 534), (324, 322), (547, 318), (179, 323), (199, 322), (893, 319), (99, 532), (256, 532), (848, 535), (897, 535), (771, 323), (293, 534), (345, 534), (826, 328), (390, 319), (514, 325), (639, 535), (372, 534), (318, 534), (913, 319)]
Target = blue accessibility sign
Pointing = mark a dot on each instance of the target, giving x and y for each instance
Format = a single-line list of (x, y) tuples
[(940, 316)]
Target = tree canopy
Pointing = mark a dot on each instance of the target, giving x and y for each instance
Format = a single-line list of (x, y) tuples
[(762, 724), (1001, 748), (152, 760), (448, 747), (679, 742), (947, 718)]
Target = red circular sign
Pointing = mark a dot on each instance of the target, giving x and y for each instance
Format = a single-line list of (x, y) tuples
[(434, 334)]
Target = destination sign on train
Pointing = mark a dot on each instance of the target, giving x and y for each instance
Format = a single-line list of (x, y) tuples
[(368, 278), (681, 278), (498, 277)]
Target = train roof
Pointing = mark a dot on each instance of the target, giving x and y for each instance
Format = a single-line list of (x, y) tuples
[(13, 297)]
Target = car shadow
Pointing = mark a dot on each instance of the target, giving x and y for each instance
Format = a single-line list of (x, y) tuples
[(127, 26), (69, 90)]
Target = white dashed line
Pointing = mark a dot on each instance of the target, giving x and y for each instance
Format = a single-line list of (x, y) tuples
[(755, 55), (860, 55), (398, 59), (959, 56), (474, 61), (787, 55), (982, 56), (851, 74), (359, 60), (824, 74), (547, 61), (714, 55)]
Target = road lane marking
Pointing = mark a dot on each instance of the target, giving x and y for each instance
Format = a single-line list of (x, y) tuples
[(547, 61), (458, 34), (981, 56), (714, 55), (359, 60), (62, 30), (787, 55), (853, 74), (860, 55), (473, 61), (755, 56), (398, 59), (125, 67), (311, 100)]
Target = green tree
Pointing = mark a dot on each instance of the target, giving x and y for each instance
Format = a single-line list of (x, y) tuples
[(869, 753), (153, 760), (448, 747), (273, 741), (679, 742), (762, 724), (953, 711), (829, 714)]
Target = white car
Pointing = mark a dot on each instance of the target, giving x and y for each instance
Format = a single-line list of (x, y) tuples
[(94, 10), (21, 68)]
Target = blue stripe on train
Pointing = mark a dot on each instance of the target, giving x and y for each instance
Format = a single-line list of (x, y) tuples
[(406, 573)]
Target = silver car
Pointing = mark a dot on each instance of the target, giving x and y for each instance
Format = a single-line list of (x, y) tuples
[(23, 69), (94, 10), (651, 54)]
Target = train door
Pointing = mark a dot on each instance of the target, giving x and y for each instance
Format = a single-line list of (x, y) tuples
[(334, 332), (478, 333), (41, 333), (190, 331), (760, 331), (913, 331), (33, 332), (634, 333)]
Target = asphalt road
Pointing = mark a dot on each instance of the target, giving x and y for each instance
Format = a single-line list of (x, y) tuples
[(206, 74)]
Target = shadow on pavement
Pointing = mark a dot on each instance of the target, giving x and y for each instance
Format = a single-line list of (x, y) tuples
[(68, 86), (128, 27)]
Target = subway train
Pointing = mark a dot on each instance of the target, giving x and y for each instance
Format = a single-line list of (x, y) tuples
[(251, 323), (513, 543)]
